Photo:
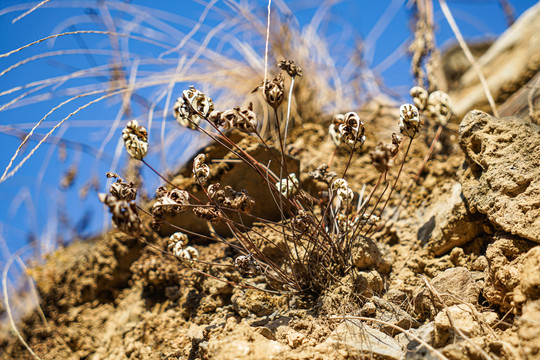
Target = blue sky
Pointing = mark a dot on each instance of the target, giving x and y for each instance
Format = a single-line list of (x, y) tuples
[(34, 206)]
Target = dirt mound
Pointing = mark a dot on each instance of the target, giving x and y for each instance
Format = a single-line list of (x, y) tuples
[(125, 299)]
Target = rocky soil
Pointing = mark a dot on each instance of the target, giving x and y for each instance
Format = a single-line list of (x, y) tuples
[(454, 274)]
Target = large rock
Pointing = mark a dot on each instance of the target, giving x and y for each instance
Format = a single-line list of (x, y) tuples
[(447, 222), (455, 286), (502, 179)]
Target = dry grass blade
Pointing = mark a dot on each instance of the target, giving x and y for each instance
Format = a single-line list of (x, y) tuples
[(21, 163), (29, 11), (455, 29), (83, 32), (6, 300), (56, 53), (530, 101), (267, 41), (29, 135)]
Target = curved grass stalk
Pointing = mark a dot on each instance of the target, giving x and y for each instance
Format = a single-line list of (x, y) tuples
[(10, 174), (29, 11), (139, 38), (455, 29), (6, 299), (55, 53)]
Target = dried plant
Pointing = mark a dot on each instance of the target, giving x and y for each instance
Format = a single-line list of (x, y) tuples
[(290, 67), (176, 244), (320, 231), (168, 203), (244, 120), (124, 214), (273, 91), (201, 171), (135, 140), (247, 266), (229, 198), (322, 174), (348, 129), (409, 121), (122, 190), (439, 107), (192, 107), (288, 186)]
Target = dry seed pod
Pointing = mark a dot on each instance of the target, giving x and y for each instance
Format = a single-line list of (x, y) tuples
[(338, 119), (216, 118), (176, 244), (243, 203), (213, 189), (352, 130), (396, 142), (288, 186), (120, 189), (188, 107), (210, 213), (322, 174), (409, 121), (238, 200), (247, 266), (201, 171), (175, 248), (228, 117), (290, 67), (273, 91), (353, 120), (189, 253), (344, 222), (135, 140), (439, 106), (333, 130), (218, 196), (124, 214), (351, 136), (343, 193), (244, 120), (334, 134), (381, 157), (303, 221), (420, 97), (170, 202), (369, 219), (177, 241), (339, 184)]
